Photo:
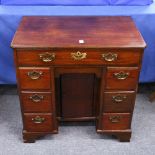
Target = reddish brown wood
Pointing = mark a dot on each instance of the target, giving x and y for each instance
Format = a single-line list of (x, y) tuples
[(126, 105), (54, 112), (44, 105), (130, 83), (30, 137), (78, 69), (152, 97), (122, 135), (30, 126), (41, 83), (77, 94), (77, 90), (121, 124), (94, 57), (60, 32)]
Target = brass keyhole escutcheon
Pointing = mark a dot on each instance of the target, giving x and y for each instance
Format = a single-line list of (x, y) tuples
[(78, 55)]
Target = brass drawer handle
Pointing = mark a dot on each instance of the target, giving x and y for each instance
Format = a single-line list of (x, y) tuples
[(38, 120), (121, 75), (118, 98), (36, 98), (47, 57), (78, 55), (35, 75), (109, 57), (114, 119)]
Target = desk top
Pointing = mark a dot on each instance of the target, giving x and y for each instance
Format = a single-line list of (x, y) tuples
[(77, 32)]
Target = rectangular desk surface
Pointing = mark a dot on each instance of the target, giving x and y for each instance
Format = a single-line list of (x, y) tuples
[(95, 32)]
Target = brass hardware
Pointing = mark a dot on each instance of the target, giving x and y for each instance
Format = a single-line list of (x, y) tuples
[(109, 57), (47, 57), (114, 119), (78, 55), (118, 98), (36, 98), (121, 75), (34, 75), (38, 120)]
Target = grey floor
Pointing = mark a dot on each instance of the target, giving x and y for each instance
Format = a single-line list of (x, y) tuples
[(76, 140)]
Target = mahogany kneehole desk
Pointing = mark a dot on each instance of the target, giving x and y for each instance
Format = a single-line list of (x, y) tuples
[(77, 69)]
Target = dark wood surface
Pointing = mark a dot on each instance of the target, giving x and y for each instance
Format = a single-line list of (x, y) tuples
[(43, 82), (122, 124), (72, 98), (46, 126), (118, 101), (60, 32), (94, 56), (129, 83), (100, 85), (42, 104)]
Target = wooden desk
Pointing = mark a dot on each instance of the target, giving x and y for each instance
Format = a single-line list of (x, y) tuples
[(77, 69)]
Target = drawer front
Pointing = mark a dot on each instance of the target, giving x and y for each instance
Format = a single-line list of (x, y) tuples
[(116, 121), (118, 101), (34, 78), (36, 101), (79, 56), (38, 122), (122, 78)]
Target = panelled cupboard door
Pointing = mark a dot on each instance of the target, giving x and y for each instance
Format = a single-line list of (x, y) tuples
[(77, 95)]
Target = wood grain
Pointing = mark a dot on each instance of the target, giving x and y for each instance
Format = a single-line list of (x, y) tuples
[(46, 126), (94, 57), (51, 32), (126, 105), (78, 90), (77, 94), (123, 124), (44, 105), (27, 83), (130, 83)]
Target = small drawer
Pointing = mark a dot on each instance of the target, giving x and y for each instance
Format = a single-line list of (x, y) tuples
[(118, 101), (36, 101), (116, 121), (122, 78), (34, 78), (38, 122), (79, 56)]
